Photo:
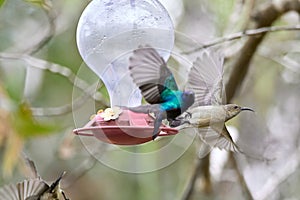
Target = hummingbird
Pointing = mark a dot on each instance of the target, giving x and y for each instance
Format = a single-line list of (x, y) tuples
[(150, 73), (208, 114), (33, 189)]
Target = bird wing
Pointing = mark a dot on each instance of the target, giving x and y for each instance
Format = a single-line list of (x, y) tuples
[(32, 168), (217, 136), (204, 149), (23, 190), (205, 79), (151, 74)]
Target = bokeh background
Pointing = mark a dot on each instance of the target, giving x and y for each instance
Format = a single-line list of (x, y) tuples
[(39, 62)]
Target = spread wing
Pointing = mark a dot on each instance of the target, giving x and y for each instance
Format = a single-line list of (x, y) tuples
[(23, 190), (150, 73), (217, 136), (205, 79)]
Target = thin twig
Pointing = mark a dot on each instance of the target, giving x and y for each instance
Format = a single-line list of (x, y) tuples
[(271, 185), (241, 178), (190, 187), (89, 90), (51, 16), (60, 110), (266, 15), (54, 68), (246, 33), (198, 170)]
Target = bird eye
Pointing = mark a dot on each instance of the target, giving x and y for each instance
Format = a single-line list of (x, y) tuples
[(235, 107)]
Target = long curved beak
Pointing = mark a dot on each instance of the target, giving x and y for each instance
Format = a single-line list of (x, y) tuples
[(249, 109)]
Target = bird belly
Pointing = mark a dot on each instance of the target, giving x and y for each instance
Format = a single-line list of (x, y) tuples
[(204, 116)]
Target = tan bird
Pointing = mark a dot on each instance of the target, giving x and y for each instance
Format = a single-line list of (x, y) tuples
[(33, 189), (208, 114)]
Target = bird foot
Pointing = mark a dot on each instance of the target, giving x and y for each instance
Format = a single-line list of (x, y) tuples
[(178, 122), (188, 114), (154, 136)]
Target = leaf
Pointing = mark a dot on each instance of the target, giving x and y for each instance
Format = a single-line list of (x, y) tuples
[(27, 126)]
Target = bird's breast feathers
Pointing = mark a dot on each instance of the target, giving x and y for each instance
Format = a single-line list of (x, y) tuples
[(206, 115)]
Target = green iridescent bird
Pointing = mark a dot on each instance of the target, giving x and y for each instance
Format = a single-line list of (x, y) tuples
[(158, 87)]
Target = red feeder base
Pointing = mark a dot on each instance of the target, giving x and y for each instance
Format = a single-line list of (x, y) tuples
[(129, 129)]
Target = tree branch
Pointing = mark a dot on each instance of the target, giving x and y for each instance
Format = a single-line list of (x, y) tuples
[(58, 69), (51, 16), (200, 164), (271, 185), (264, 18), (240, 176), (60, 110), (246, 33)]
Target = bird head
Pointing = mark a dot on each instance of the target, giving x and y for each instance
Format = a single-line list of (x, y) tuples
[(188, 99), (232, 110), (54, 192)]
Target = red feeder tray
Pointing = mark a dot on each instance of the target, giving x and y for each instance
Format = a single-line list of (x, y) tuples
[(129, 128)]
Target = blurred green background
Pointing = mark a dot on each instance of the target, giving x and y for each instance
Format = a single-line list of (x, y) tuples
[(36, 106)]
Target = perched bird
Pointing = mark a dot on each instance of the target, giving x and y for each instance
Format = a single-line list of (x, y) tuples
[(33, 189), (208, 114), (158, 87)]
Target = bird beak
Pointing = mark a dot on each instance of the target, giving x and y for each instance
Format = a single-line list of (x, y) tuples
[(245, 108), (55, 184)]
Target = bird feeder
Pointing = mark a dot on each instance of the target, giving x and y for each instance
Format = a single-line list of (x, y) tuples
[(129, 128), (108, 31)]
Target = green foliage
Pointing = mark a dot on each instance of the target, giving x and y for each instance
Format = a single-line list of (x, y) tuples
[(2, 3), (22, 120), (26, 126)]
